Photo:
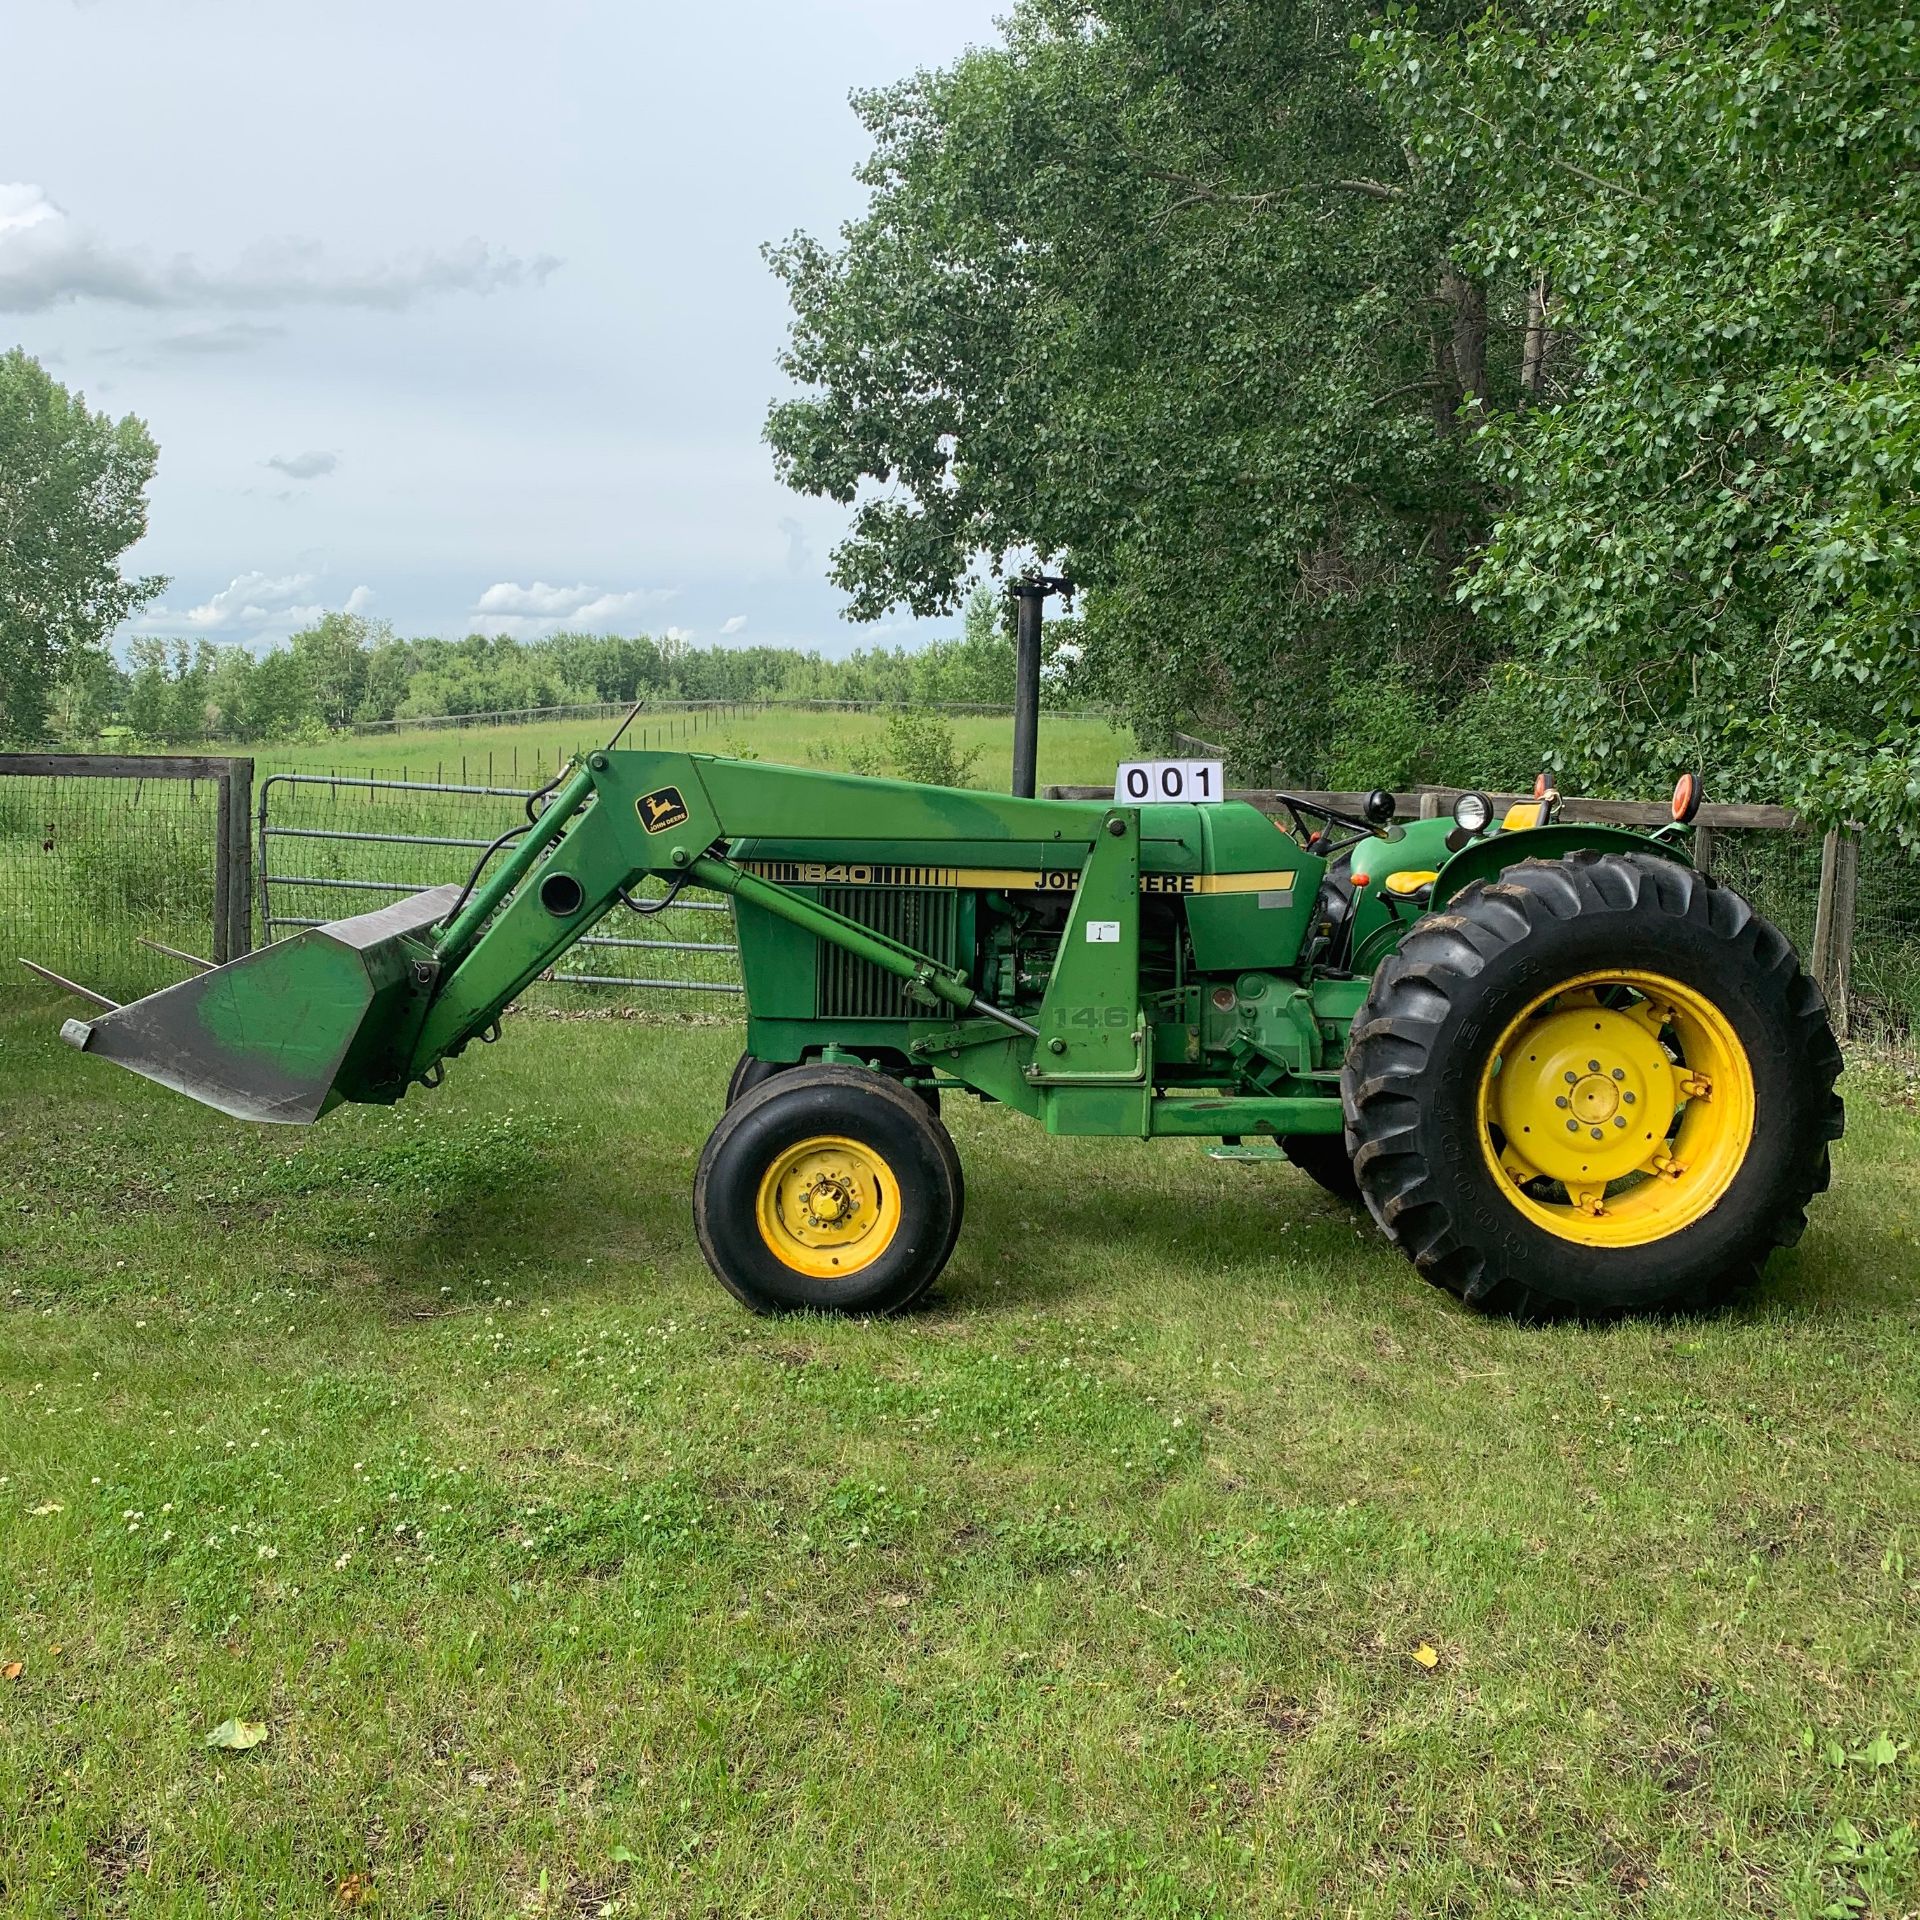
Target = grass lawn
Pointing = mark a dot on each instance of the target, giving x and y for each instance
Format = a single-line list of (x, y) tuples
[(1073, 751), (1187, 1557)]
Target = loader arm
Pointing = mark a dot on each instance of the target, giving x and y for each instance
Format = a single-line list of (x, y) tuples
[(621, 818)]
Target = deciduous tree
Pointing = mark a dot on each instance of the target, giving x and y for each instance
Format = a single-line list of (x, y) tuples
[(1712, 547), (1149, 290), (72, 501)]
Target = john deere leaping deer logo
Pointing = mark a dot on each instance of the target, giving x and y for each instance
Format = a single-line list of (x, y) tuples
[(661, 809)]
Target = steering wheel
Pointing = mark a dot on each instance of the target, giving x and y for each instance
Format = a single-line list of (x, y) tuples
[(1379, 812)]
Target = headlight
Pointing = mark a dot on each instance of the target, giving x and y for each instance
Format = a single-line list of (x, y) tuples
[(1472, 812)]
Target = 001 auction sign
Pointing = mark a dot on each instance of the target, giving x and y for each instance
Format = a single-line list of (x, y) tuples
[(1195, 780)]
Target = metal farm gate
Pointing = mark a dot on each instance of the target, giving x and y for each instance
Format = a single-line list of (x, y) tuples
[(331, 846), (114, 865)]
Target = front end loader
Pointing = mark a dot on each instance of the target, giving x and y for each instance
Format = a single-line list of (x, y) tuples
[(1567, 1073)]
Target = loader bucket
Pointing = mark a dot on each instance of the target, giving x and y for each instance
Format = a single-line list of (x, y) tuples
[(288, 1032)]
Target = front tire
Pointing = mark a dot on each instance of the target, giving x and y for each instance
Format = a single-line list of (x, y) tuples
[(1323, 1158), (749, 1071), (828, 1188), (1596, 1086)]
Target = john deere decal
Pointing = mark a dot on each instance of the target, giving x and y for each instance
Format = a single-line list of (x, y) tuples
[(661, 809)]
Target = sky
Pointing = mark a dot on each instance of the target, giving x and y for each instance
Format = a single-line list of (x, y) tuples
[(453, 314)]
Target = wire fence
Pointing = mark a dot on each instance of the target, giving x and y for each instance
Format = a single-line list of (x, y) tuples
[(104, 861), (332, 846), (1850, 903), (1883, 985), (1778, 869), (659, 715)]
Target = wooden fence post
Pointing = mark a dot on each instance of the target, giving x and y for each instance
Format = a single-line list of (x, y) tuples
[(1833, 920), (239, 877), (222, 950)]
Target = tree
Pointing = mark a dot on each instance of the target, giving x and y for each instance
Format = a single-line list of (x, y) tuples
[(171, 691), (1712, 550), (333, 655), (1151, 291), (72, 501)]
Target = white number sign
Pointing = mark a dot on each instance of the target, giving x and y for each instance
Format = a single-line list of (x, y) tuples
[(1142, 780)]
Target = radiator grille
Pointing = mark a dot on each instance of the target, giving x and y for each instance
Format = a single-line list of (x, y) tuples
[(923, 918)]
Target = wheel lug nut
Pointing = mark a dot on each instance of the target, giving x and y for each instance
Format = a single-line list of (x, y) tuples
[(1619, 1073), (1573, 1079), (1619, 1119), (1628, 1098), (1559, 1099), (1573, 1126), (1593, 1066), (1598, 1135)]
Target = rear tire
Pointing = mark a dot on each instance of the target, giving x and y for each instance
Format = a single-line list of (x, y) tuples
[(1461, 1084), (829, 1188)]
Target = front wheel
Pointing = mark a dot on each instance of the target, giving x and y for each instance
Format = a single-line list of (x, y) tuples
[(749, 1072), (1323, 1158), (830, 1188), (1599, 1085)]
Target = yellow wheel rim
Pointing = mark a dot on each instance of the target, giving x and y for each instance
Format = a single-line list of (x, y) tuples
[(1617, 1109), (828, 1207)]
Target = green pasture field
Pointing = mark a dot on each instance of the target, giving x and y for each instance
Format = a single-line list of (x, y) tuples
[(1187, 1556), (1073, 750)]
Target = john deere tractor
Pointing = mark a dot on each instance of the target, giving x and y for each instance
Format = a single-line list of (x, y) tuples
[(1566, 1072)]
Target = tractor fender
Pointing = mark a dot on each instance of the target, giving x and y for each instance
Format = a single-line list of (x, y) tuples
[(1488, 859)]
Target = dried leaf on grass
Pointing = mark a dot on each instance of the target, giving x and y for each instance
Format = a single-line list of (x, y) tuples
[(236, 1736)]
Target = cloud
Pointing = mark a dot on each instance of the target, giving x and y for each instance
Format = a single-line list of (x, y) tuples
[(527, 612), (251, 606), (360, 599), (733, 624), (799, 548), (232, 336), (680, 634), (304, 466), (246, 600), (509, 596), (46, 261)]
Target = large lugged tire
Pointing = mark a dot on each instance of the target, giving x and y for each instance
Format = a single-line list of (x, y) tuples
[(830, 1188), (1598, 1085)]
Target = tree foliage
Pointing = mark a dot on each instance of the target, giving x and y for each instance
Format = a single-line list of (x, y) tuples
[(72, 501), (346, 669), (1712, 546), (1150, 291)]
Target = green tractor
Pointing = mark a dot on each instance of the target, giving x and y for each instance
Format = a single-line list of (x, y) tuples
[(1567, 1073)]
